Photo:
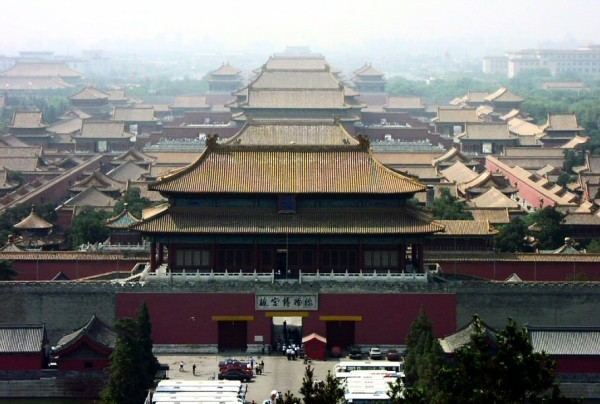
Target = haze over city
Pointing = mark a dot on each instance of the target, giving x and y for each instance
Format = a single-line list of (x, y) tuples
[(470, 28)]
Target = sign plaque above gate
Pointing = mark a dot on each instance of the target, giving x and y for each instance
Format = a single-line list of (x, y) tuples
[(287, 302)]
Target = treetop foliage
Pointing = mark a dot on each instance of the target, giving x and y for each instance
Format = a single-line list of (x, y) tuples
[(448, 207), (132, 364)]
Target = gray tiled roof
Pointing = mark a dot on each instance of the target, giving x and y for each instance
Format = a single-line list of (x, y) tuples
[(95, 329), (22, 338), (565, 341)]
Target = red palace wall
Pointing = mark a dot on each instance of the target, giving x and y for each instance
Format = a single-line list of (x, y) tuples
[(80, 364), (186, 318), (577, 364), (529, 194), (22, 362)]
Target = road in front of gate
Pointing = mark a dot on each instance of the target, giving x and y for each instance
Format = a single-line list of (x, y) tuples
[(279, 374)]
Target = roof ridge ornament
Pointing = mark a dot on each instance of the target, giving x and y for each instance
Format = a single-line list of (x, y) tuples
[(363, 141), (211, 141)]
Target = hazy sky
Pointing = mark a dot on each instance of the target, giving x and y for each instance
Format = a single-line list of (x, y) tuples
[(73, 25)]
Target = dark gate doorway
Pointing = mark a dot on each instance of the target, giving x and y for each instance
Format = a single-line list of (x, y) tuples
[(286, 331), (281, 263), (233, 336), (340, 334)]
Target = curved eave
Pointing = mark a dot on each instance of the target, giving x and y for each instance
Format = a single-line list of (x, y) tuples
[(205, 221), (334, 173)]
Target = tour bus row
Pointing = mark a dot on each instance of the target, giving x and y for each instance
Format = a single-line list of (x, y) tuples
[(200, 391)]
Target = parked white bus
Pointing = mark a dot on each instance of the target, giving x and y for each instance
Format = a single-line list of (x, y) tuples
[(349, 366), (196, 398), (384, 374), (173, 386), (368, 389), (367, 398)]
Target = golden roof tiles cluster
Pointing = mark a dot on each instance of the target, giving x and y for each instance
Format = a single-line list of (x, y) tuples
[(33, 222), (28, 120), (486, 131), (406, 102), (90, 197), (368, 70), (491, 214), (562, 122), (281, 80), (466, 228), (521, 127), (286, 133), (493, 198), (453, 115), (503, 95), (89, 93), (42, 69), (134, 114), (226, 70), (33, 83), (190, 101), (286, 170), (459, 173), (296, 63), (103, 130), (299, 99)]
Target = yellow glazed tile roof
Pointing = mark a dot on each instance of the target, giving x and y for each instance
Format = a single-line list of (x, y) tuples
[(344, 169)]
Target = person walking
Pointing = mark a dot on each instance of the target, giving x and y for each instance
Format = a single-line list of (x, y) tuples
[(181, 366), (272, 399), (194, 369)]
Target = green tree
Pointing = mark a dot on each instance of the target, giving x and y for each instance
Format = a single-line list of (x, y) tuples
[(448, 207), (132, 363), (88, 227), (423, 360), (7, 273), (328, 391), (126, 381), (511, 237), (548, 221), (506, 370), (135, 202), (573, 159), (149, 364), (593, 247)]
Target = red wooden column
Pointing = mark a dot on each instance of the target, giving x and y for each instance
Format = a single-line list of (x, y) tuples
[(414, 253), (152, 256), (160, 253), (361, 257), (421, 258), (402, 252)]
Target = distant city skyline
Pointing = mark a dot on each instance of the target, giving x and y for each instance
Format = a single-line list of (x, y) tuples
[(430, 26)]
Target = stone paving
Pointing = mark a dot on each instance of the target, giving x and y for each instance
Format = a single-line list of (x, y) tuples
[(279, 373)]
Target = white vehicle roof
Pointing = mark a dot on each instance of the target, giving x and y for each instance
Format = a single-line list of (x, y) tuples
[(191, 398), (366, 398), (166, 389), (185, 382)]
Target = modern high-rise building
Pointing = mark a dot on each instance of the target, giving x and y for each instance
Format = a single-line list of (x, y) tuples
[(585, 60)]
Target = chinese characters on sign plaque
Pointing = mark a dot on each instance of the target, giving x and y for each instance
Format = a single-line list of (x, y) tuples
[(287, 302)]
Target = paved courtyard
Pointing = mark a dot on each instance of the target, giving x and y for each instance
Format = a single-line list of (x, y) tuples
[(279, 373)]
